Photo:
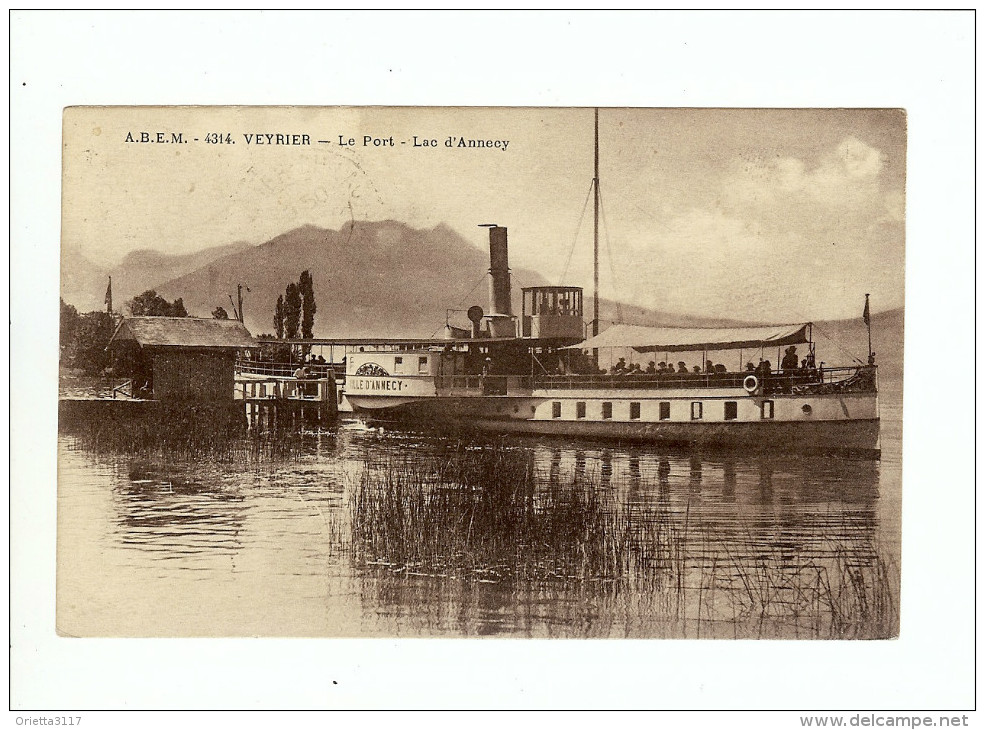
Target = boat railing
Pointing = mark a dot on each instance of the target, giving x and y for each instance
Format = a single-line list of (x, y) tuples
[(483, 384), (246, 366), (774, 381), (275, 388)]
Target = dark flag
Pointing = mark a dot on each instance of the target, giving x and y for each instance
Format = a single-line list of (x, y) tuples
[(109, 296), (865, 312)]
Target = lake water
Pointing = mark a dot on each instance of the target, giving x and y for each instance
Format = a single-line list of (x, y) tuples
[(369, 532)]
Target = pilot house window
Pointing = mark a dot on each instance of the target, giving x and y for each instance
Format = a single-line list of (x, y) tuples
[(422, 365)]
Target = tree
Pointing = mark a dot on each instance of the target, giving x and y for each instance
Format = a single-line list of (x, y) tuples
[(220, 313), (292, 311), (151, 304), (279, 318), (68, 324), (87, 349), (272, 351), (308, 307)]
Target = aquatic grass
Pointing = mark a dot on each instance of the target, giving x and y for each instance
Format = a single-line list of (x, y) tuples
[(478, 516), (181, 432)]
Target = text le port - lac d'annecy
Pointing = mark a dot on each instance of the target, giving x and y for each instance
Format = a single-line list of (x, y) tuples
[(256, 139)]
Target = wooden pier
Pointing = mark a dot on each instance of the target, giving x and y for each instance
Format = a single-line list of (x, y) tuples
[(277, 402)]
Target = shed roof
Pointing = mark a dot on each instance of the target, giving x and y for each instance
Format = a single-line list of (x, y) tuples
[(183, 332)]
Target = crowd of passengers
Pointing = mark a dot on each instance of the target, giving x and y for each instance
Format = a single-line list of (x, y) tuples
[(789, 366)]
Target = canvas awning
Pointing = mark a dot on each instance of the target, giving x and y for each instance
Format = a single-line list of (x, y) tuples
[(691, 339)]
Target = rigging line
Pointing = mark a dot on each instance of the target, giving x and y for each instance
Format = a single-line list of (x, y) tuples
[(574, 241), (828, 337), (608, 250), (463, 299), (835, 342), (472, 290)]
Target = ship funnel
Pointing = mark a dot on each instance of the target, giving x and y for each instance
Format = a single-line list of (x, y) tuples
[(499, 272)]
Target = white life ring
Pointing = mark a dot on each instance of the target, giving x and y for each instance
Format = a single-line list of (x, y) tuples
[(751, 383)]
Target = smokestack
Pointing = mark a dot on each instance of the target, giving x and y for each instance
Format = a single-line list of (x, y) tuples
[(499, 270)]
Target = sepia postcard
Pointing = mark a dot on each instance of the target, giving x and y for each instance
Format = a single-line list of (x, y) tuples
[(449, 372), (460, 360)]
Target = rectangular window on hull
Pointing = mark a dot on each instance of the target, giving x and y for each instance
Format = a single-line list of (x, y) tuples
[(556, 409), (606, 410), (696, 411), (422, 365), (664, 411), (634, 411), (731, 410), (580, 409), (767, 409)]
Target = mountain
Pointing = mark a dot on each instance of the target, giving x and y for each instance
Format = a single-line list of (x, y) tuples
[(372, 279), (83, 282)]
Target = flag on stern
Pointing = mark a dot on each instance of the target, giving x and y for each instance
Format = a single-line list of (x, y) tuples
[(109, 296), (865, 312)]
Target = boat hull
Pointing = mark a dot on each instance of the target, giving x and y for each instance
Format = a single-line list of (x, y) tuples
[(855, 436)]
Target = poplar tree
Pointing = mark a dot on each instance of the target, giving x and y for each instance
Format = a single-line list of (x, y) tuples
[(292, 311), (306, 285), (279, 318)]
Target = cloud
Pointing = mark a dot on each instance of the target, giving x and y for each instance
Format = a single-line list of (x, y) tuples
[(847, 176), (776, 239)]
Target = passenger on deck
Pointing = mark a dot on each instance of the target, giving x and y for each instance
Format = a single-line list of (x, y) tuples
[(720, 368), (620, 367), (661, 368), (750, 368), (635, 369), (651, 367), (789, 362), (681, 368), (764, 369), (709, 367), (697, 369)]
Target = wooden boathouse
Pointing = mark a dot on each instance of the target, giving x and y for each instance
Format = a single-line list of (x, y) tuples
[(179, 359)]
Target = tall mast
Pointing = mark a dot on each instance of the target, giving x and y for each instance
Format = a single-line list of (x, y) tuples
[(595, 186)]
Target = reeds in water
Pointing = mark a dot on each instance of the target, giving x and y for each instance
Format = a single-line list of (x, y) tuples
[(484, 515), (184, 432)]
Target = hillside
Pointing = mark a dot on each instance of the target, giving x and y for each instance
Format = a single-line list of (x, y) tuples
[(841, 340), (371, 279), (386, 279), (83, 283)]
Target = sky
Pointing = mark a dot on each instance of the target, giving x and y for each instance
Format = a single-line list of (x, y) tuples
[(766, 215)]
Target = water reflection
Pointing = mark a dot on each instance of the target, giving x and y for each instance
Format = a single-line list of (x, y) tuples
[(372, 532), (751, 547)]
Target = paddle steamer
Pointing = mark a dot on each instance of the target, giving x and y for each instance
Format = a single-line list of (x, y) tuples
[(538, 373)]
